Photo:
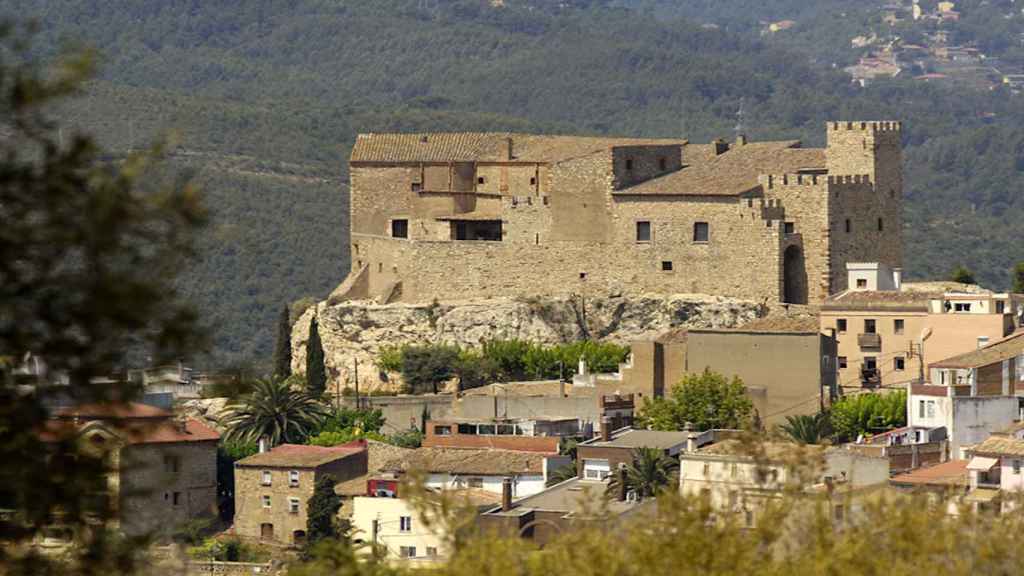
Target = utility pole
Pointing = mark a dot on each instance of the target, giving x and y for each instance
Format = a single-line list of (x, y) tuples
[(355, 376)]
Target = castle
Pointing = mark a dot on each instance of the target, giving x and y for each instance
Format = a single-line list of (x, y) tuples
[(471, 215)]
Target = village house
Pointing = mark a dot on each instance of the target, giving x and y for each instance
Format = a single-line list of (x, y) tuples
[(531, 435), (563, 507), (272, 488), (481, 469), (537, 215), (889, 332), (741, 477), (599, 457), (786, 363), (995, 469), (907, 448), (406, 530), (163, 469)]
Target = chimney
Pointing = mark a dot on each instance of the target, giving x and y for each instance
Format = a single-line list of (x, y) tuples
[(897, 278), (582, 371), (719, 146), (620, 476), (561, 387), (506, 494), (606, 429), (264, 444), (507, 151), (741, 139)]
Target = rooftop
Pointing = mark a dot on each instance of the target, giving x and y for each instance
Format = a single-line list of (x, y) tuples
[(1000, 445), (733, 172), (1009, 347), (574, 496), (746, 449), (951, 473), (778, 323), (631, 438), (467, 461), (111, 411), (166, 430), (486, 146), (302, 456), (377, 455), (534, 388)]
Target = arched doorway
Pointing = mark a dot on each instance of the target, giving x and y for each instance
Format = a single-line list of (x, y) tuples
[(794, 276)]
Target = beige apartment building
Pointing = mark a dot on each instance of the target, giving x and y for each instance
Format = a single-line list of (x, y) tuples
[(272, 488), (888, 333)]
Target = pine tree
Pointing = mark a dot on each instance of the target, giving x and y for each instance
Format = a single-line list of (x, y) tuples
[(316, 372), (1018, 278), (283, 348), (321, 510)]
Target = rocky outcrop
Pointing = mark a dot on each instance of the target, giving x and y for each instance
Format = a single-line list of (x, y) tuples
[(209, 411), (354, 331)]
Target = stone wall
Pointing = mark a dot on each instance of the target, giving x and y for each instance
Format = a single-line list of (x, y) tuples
[(148, 486), (356, 330)]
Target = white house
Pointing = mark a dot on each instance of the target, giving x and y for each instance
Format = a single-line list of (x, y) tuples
[(968, 420), (452, 468)]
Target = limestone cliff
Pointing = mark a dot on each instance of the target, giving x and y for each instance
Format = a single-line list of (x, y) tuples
[(355, 331)]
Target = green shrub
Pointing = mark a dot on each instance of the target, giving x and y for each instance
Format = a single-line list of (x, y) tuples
[(336, 438), (868, 413), (389, 358), (411, 438)]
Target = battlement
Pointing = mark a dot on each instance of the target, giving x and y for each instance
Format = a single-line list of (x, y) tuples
[(772, 181), (876, 126), (850, 179)]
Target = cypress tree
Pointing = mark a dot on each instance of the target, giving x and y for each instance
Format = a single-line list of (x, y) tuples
[(321, 508), (316, 372), (283, 347)]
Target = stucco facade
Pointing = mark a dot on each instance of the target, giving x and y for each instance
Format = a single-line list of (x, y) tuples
[(397, 527), (447, 216)]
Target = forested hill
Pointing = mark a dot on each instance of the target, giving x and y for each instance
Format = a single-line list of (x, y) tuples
[(268, 95)]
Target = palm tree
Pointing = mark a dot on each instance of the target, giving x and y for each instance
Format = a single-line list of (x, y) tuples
[(651, 470), (561, 474), (276, 411), (807, 429)]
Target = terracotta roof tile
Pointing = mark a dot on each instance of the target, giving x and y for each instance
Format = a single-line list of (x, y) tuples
[(485, 146), (468, 461), (302, 456), (999, 445), (134, 431), (951, 473), (733, 172)]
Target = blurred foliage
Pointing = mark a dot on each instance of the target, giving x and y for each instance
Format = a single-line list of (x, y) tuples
[(89, 250), (868, 413), (699, 401), (423, 367)]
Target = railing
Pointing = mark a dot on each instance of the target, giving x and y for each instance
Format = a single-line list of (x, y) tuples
[(869, 340)]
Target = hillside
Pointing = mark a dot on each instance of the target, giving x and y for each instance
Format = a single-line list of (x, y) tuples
[(268, 96)]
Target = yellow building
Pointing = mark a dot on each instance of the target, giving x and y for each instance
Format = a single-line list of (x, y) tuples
[(888, 332)]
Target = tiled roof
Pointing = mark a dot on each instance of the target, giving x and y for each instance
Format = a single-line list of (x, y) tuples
[(733, 172), (998, 351), (112, 411), (999, 445), (301, 456), (642, 439), (537, 388), (377, 455), (468, 461), (857, 299), (740, 448), (485, 146), (776, 323), (951, 473), (151, 431)]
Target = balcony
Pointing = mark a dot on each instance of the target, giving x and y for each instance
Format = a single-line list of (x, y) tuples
[(869, 340)]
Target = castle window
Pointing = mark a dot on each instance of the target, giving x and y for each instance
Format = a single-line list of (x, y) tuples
[(400, 228), (899, 363), (481, 180), (662, 164), (417, 186), (643, 231), (848, 228), (533, 180), (583, 275), (880, 225), (666, 265), (790, 228), (701, 231), (629, 163)]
